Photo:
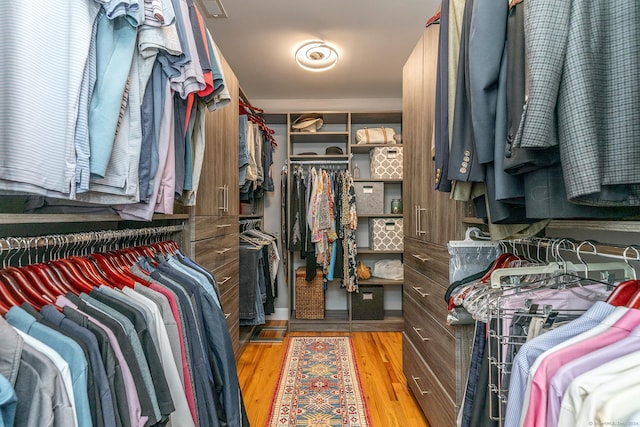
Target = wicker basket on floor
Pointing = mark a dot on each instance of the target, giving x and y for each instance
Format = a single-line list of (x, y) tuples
[(309, 295)]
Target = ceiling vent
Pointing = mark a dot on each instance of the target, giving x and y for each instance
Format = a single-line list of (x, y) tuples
[(214, 8)]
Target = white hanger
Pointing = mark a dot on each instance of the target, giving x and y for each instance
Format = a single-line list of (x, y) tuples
[(470, 242)]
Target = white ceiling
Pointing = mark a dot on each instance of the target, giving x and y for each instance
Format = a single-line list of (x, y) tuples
[(374, 39)]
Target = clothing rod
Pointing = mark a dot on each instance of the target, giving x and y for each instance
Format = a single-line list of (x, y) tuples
[(250, 221), (580, 248), (52, 240), (319, 162)]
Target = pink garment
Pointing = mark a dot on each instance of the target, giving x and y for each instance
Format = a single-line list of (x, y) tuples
[(167, 190), (135, 411), (537, 411), (188, 388)]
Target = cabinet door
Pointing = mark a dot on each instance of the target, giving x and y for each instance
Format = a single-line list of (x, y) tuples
[(412, 125), (219, 191), (440, 221)]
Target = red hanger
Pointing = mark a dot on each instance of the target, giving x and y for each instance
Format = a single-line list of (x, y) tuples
[(624, 293), (13, 287), (90, 270), (30, 290), (56, 277), (73, 275), (634, 300), (129, 255), (502, 261), (45, 289), (7, 291), (48, 276), (4, 309), (103, 261)]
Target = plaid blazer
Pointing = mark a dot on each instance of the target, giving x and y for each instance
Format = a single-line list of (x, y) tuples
[(583, 95)]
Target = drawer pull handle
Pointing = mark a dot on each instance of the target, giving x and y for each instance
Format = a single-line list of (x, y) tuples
[(419, 211), (422, 258), (223, 208), (223, 225), (227, 315), (224, 251), (415, 380), (419, 291), (417, 331), (225, 280)]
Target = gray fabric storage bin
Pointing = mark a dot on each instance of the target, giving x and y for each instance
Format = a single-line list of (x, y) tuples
[(369, 197), (385, 234), (386, 162)]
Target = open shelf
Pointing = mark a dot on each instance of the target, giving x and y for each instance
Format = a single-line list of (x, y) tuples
[(250, 216), (387, 181), (365, 148), (365, 250), (13, 218), (393, 321), (334, 320), (339, 129), (382, 215), (379, 281), (295, 157)]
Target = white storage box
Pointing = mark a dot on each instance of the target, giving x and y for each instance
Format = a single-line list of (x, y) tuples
[(385, 234), (386, 162), (369, 197)]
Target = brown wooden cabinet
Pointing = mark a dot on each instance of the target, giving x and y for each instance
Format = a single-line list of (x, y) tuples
[(431, 220), (214, 219)]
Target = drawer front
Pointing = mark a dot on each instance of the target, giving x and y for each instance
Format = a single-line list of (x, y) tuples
[(428, 259), (230, 302), (214, 253), (428, 294), (207, 227), (435, 401), (234, 331), (227, 276), (435, 343)]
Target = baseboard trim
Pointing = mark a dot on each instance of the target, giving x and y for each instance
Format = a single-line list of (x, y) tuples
[(280, 314)]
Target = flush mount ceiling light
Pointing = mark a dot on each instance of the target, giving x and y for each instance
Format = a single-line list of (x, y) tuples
[(214, 8), (316, 56)]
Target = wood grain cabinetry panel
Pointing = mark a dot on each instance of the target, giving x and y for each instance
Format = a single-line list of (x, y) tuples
[(231, 304), (412, 124), (207, 227), (425, 291), (434, 342), (227, 275), (218, 194), (234, 331), (436, 403), (429, 259), (214, 253)]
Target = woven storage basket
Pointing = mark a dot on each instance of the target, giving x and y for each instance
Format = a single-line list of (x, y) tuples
[(309, 296)]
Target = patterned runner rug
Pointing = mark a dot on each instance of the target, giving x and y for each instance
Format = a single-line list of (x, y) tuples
[(319, 385)]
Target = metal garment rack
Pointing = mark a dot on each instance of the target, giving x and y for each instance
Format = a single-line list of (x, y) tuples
[(561, 252), (55, 246), (499, 342), (250, 223)]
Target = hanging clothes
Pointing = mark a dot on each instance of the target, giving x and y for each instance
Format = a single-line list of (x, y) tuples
[(322, 222), (259, 264), (134, 341), (136, 89), (536, 334)]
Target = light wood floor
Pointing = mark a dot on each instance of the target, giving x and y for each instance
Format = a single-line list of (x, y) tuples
[(379, 356)]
